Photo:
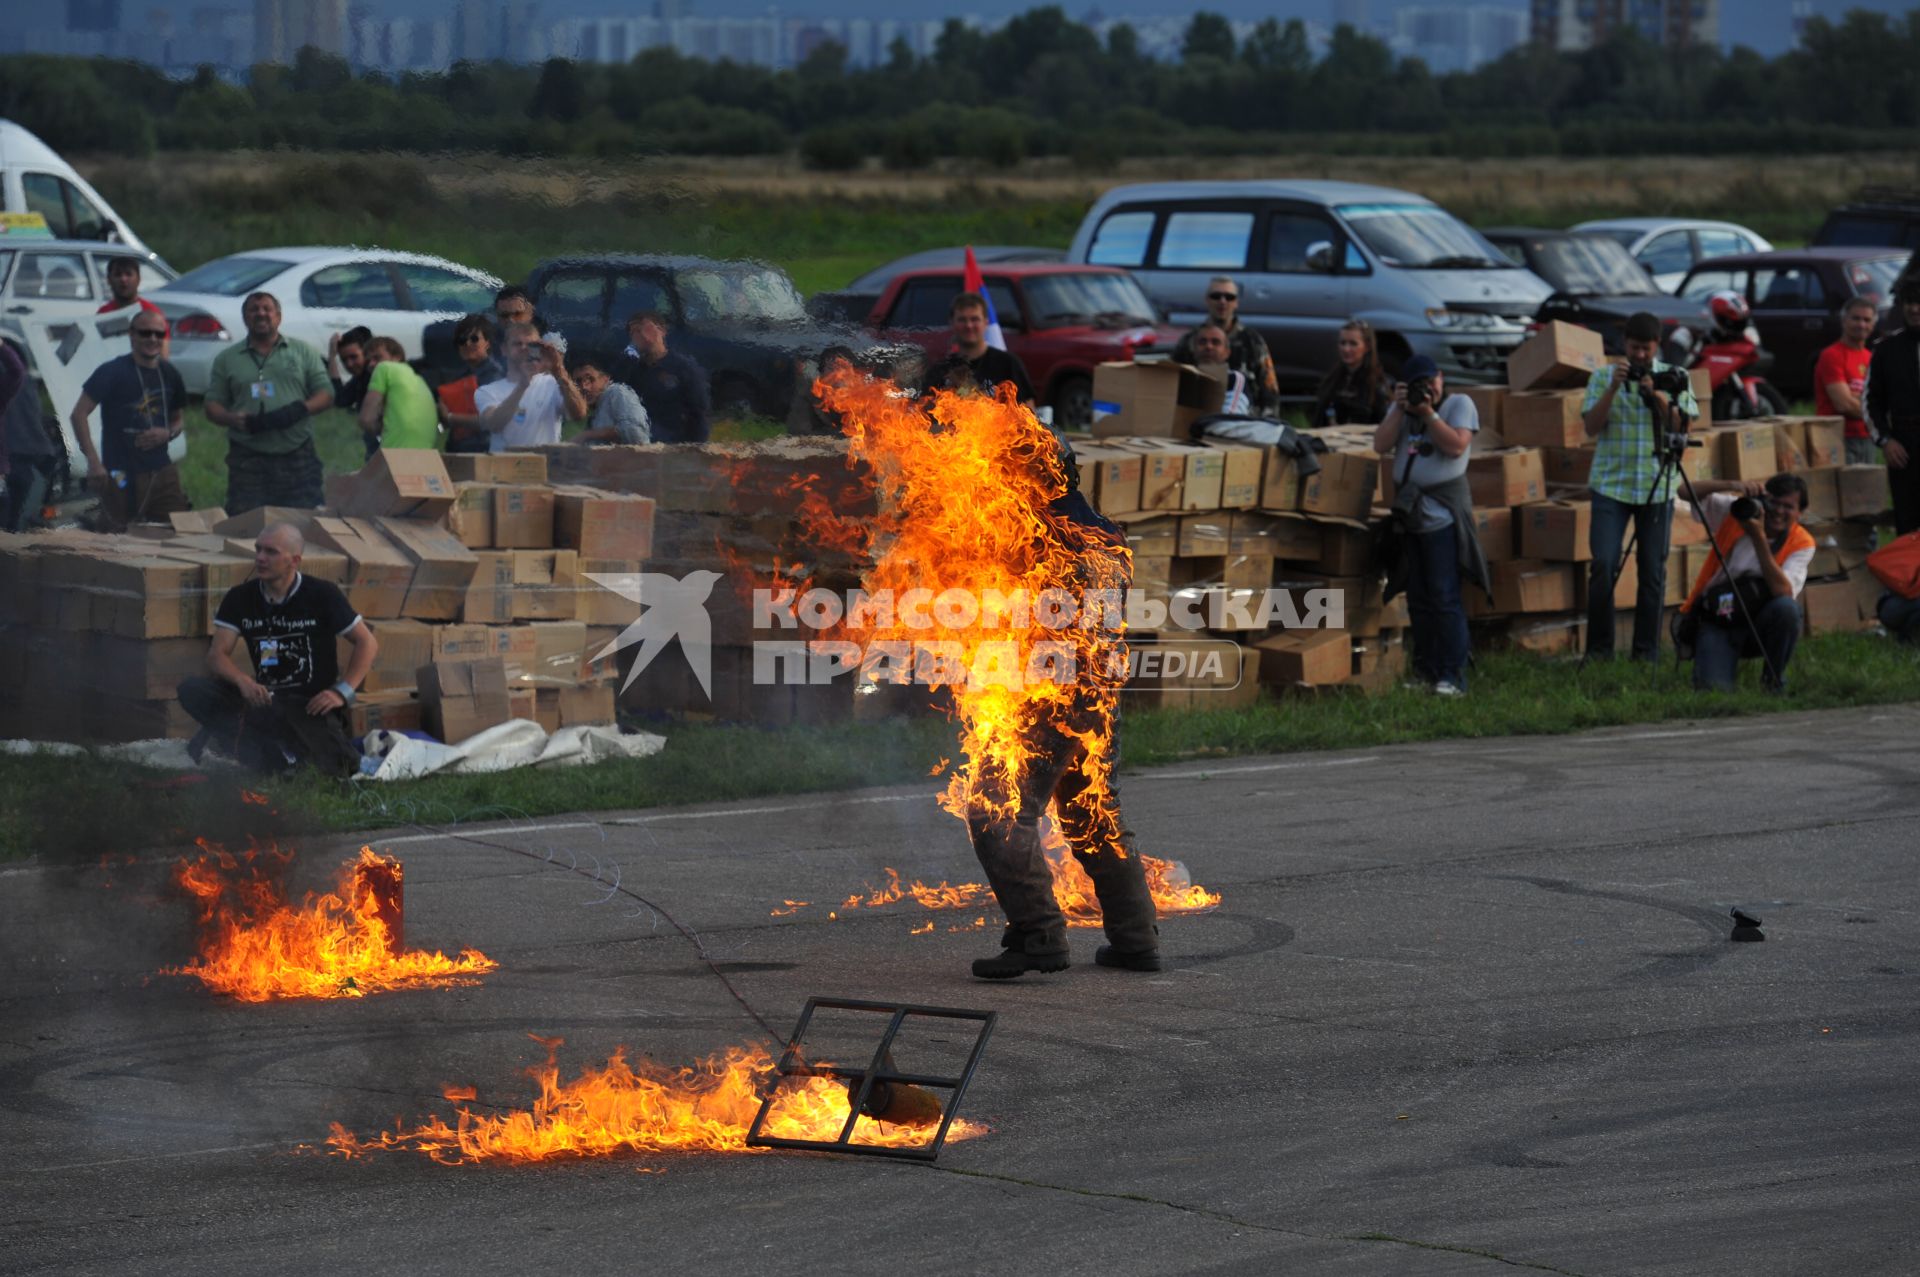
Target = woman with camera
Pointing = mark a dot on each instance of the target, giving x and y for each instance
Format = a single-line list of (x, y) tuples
[(1428, 433), (1355, 390)]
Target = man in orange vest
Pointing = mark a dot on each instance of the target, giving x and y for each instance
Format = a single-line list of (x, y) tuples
[(1757, 529)]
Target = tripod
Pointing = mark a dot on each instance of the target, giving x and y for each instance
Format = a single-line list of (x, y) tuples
[(1669, 446)]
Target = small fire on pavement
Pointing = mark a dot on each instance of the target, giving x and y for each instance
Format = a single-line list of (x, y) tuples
[(256, 946), (640, 1107)]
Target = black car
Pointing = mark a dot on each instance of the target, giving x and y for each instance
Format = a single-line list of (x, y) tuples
[(1596, 283), (1876, 217), (854, 303), (1796, 295), (744, 322)]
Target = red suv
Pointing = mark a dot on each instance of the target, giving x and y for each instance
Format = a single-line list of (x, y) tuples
[(1060, 320)]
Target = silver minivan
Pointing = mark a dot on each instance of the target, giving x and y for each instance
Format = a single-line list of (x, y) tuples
[(1310, 255)]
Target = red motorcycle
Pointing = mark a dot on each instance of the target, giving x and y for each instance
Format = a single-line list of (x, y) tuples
[(1736, 365)]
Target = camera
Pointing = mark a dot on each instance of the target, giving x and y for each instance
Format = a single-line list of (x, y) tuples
[(1419, 393), (1637, 373), (1745, 508)]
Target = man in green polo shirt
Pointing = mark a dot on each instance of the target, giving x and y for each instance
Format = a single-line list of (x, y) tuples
[(1627, 416), (262, 392)]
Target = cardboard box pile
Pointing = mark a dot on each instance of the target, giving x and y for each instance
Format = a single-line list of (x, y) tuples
[(102, 628)]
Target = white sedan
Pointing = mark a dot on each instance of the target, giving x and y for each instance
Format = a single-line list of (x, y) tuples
[(1668, 247), (322, 292)]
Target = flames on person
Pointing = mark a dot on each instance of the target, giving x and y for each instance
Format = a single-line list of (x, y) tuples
[(630, 1106), (965, 486), (258, 947)]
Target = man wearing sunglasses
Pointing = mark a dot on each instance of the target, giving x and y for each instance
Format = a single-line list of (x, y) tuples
[(140, 397), (1246, 349)]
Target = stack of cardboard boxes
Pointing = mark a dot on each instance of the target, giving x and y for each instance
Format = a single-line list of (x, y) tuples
[(487, 567)]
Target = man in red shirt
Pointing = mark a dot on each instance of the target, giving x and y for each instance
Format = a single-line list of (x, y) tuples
[(1840, 378), (123, 281)]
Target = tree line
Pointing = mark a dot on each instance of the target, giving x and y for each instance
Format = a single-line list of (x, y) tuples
[(1042, 85)]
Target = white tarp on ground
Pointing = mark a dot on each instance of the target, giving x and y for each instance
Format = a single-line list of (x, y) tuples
[(519, 743)]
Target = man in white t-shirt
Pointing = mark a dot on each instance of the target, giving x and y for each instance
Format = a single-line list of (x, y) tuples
[(524, 409), (1767, 553)]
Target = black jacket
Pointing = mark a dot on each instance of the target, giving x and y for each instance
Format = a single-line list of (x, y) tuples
[(1893, 387)]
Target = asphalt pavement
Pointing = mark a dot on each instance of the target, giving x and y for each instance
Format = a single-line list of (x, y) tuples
[(1465, 1007)]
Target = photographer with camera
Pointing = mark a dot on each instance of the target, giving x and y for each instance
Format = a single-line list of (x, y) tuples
[(1637, 410), (1429, 433), (1744, 603)]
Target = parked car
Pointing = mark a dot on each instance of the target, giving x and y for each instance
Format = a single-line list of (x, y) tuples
[(743, 322), (34, 179), (322, 292), (854, 303), (1796, 296), (1595, 283), (1668, 247), (56, 279), (1311, 255), (1060, 320), (1876, 217)]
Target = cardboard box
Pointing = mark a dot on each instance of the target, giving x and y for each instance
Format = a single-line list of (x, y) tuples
[(197, 520), (1153, 574), (442, 568), (1700, 381), (596, 604), (545, 584), (471, 519), (586, 705), (1545, 419), (1311, 658), (1163, 473), (462, 698), (1526, 585), (1250, 532), (1560, 356), (522, 517), (405, 483), (1509, 477), (386, 712), (1154, 535), (1243, 466), (1203, 534), (489, 596), (1206, 478), (1744, 452), (1178, 476), (1831, 607), (1344, 486), (137, 596), (1279, 481), (1825, 442), (1789, 445), (603, 525), (378, 572), (1491, 403), (1823, 494), (497, 467), (1545, 635), (1248, 572), (1566, 467), (1494, 527), (461, 642), (404, 646), (598, 662), (249, 524), (1116, 478), (1864, 492), (1159, 399), (1346, 548), (523, 703), (1556, 531), (559, 653)]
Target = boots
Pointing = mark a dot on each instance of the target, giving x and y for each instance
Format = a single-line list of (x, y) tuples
[(1024, 951)]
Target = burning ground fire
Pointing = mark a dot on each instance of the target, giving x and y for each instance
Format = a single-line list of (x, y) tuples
[(644, 1107), (257, 947)]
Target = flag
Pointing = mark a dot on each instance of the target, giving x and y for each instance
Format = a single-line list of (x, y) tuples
[(977, 283)]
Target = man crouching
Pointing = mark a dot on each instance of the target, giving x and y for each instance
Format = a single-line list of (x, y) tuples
[(292, 709), (1766, 552)]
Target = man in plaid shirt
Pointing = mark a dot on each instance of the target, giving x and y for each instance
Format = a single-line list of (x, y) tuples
[(1627, 485)]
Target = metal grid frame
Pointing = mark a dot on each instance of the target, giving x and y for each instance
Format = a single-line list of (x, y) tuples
[(790, 1065)]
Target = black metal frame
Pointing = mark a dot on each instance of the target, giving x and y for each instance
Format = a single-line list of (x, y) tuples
[(790, 1065)]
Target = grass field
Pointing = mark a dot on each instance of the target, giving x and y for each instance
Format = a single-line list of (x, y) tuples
[(84, 808)]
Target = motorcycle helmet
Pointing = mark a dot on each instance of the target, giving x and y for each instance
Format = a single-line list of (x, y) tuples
[(1729, 310)]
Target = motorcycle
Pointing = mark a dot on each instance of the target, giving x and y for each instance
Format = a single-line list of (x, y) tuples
[(1735, 363)]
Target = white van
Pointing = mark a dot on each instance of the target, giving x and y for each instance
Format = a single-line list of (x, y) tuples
[(1311, 254), (34, 179)]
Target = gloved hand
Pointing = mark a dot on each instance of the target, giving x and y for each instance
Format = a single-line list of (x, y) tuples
[(279, 418)]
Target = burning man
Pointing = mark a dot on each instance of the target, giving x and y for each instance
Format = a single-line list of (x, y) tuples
[(1071, 766), (292, 709)]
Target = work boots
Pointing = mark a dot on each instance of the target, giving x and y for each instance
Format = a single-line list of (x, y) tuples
[(1024, 951)]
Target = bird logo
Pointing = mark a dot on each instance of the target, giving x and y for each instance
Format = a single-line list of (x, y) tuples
[(671, 608)]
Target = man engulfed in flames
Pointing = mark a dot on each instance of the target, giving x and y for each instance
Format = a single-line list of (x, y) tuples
[(976, 495)]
